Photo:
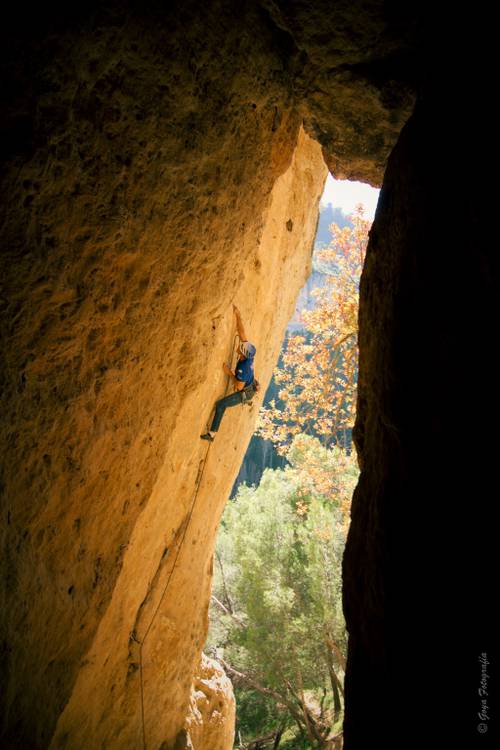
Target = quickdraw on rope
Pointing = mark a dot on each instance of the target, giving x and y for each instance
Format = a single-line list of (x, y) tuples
[(199, 477)]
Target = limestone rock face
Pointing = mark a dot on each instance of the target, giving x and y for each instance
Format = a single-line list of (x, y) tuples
[(359, 67), (210, 723), (161, 594), (120, 349), (158, 164)]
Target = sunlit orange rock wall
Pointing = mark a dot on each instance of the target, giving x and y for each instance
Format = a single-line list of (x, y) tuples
[(158, 165)]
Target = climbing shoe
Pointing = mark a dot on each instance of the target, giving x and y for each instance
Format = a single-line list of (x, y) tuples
[(207, 436)]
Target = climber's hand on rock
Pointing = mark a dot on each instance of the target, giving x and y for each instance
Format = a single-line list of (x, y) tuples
[(239, 324), (226, 369)]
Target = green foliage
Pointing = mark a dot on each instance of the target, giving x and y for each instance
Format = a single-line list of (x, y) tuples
[(278, 575)]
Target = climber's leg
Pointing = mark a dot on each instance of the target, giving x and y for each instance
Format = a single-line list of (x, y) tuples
[(220, 407)]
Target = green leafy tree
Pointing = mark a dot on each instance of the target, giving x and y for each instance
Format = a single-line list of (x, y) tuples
[(277, 622)]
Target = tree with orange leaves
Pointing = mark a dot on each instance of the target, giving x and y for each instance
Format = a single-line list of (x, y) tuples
[(319, 374)]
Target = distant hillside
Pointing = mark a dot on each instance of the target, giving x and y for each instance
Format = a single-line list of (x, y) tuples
[(329, 215), (261, 454)]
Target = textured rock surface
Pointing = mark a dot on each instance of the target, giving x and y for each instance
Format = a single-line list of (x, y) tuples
[(119, 290), (176, 635), (210, 724), (358, 69), (153, 160)]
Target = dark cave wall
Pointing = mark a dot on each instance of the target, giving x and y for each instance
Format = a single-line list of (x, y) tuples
[(418, 554)]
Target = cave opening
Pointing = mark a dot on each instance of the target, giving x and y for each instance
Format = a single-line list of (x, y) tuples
[(338, 202), (277, 563), (151, 155)]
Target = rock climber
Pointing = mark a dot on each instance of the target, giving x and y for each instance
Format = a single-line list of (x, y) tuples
[(243, 378)]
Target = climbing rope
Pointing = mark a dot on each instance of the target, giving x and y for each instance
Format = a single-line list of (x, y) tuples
[(236, 338), (199, 477)]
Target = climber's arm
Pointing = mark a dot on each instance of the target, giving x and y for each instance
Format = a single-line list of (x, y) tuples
[(238, 384), (239, 324)]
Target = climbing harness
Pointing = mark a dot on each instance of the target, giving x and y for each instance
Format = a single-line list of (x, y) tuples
[(199, 477), (249, 392)]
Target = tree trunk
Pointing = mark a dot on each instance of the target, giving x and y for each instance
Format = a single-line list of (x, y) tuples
[(227, 611), (278, 697), (229, 603), (335, 683), (313, 730), (337, 703), (277, 739)]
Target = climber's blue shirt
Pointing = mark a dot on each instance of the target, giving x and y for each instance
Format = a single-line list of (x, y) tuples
[(244, 371)]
